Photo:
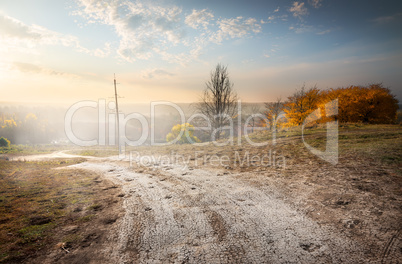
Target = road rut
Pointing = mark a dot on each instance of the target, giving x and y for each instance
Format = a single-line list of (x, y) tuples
[(176, 215)]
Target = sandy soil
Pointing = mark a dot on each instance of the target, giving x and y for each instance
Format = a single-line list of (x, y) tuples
[(203, 215), (195, 216), (54, 155)]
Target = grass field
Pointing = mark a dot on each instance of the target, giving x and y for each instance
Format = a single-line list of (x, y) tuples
[(37, 199), (28, 149), (359, 139), (382, 143)]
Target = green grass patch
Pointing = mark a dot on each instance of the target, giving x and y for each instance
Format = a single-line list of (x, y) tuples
[(96, 152), (86, 218), (30, 149), (33, 233), (35, 198), (72, 238)]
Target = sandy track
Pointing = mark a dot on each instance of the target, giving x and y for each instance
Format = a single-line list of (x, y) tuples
[(194, 216), (54, 155)]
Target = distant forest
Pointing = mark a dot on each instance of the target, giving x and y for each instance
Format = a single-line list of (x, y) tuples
[(375, 104)]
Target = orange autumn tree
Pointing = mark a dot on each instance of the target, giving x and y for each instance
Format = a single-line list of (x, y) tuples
[(302, 103), (373, 104)]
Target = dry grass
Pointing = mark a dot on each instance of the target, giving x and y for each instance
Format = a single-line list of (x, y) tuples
[(36, 200), (96, 151), (29, 149), (375, 142)]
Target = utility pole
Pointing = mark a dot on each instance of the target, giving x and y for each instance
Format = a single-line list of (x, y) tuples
[(117, 115)]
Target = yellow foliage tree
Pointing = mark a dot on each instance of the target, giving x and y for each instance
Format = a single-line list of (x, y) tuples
[(187, 136), (30, 117), (9, 123)]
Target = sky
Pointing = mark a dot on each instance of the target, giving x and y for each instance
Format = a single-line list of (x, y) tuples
[(68, 51)]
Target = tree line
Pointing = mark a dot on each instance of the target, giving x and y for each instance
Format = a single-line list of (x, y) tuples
[(373, 104), (26, 129)]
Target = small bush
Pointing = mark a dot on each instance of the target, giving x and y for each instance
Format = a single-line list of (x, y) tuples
[(187, 136), (4, 142)]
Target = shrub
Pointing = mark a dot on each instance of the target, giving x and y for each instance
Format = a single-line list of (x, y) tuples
[(4, 142), (187, 135)]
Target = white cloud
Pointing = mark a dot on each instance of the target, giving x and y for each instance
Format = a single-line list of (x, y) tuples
[(273, 18), (302, 28), (20, 37), (298, 10), (143, 29), (147, 30), (235, 28), (14, 28), (323, 32), (387, 19), (36, 69), (315, 3), (102, 52), (15, 31), (156, 73), (199, 18)]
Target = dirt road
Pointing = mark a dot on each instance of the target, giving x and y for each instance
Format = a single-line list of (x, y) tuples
[(199, 216), (309, 212)]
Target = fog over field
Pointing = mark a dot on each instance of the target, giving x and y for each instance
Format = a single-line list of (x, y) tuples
[(86, 122)]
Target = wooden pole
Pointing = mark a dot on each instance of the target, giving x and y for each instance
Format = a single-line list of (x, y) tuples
[(117, 115)]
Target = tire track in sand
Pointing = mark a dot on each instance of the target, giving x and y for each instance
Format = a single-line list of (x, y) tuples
[(197, 217)]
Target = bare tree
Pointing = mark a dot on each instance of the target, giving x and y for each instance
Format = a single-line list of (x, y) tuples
[(218, 102), (273, 112), (255, 110)]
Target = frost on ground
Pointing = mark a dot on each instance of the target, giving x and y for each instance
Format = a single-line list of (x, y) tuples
[(310, 212), (196, 216)]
